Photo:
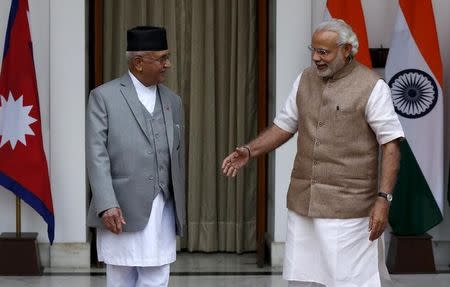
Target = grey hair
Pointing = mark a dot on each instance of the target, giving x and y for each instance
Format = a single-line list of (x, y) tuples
[(344, 31), (132, 54)]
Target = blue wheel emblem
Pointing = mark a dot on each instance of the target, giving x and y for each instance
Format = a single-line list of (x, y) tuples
[(414, 93)]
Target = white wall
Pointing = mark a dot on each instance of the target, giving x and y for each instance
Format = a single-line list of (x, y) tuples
[(58, 35), (67, 109), (294, 22), (290, 60)]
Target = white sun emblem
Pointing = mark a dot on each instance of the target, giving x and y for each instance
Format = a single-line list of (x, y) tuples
[(14, 121)]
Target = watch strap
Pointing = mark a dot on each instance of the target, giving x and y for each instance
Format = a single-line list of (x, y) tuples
[(385, 195)]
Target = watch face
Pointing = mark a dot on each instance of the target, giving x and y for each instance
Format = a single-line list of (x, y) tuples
[(389, 197)]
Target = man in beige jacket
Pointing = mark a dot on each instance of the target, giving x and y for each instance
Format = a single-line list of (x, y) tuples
[(337, 208)]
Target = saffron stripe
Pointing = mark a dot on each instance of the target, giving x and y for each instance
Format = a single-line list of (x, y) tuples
[(353, 14), (419, 16)]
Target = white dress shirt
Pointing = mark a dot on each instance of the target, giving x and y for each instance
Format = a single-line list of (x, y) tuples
[(146, 95)]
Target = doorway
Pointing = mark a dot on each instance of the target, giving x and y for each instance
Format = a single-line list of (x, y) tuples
[(258, 106)]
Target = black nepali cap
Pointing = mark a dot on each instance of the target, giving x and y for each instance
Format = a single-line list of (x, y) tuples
[(146, 38)]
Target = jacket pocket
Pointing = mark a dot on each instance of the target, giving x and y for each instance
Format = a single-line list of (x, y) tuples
[(345, 123)]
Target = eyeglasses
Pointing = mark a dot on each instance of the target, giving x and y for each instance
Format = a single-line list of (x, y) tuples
[(162, 60), (322, 52)]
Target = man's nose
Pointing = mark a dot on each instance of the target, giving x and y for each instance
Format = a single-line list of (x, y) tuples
[(315, 56), (167, 63)]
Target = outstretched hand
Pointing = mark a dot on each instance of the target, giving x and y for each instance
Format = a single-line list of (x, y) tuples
[(235, 160)]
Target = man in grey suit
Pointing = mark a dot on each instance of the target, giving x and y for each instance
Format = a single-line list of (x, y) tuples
[(135, 161)]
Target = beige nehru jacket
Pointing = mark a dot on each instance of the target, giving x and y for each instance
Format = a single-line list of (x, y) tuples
[(336, 167)]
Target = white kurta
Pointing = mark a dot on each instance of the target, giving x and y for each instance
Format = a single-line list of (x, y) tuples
[(337, 252), (380, 113), (156, 244)]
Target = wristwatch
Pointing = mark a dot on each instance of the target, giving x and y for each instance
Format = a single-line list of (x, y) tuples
[(386, 196)]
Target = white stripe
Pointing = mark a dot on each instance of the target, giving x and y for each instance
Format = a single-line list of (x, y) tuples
[(327, 14), (425, 134)]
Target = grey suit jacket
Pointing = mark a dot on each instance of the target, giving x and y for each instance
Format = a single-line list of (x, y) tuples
[(117, 154)]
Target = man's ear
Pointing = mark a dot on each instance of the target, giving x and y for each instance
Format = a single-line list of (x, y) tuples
[(137, 63), (347, 50)]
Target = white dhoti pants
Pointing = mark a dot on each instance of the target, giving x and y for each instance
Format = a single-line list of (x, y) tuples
[(132, 276), (330, 252)]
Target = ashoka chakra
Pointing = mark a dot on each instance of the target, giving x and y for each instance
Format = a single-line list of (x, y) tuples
[(414, 93)]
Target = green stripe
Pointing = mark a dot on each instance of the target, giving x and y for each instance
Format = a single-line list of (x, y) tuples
[(414, 210)]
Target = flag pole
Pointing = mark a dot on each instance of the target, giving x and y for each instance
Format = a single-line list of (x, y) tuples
[(18, 217)]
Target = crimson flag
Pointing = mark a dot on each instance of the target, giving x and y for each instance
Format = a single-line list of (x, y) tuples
[(23, 166)]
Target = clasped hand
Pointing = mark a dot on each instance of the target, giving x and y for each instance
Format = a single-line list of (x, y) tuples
[(113, 220)]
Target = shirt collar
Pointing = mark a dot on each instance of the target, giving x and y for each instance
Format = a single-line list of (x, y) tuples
[(140, 88)]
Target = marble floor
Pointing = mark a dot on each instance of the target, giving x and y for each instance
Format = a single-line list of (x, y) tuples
[(202, 270)]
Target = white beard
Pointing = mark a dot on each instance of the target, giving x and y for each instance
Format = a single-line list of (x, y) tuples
[(332, 67)]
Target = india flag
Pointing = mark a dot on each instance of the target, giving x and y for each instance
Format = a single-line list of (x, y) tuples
[(352, 13), (414, 73)]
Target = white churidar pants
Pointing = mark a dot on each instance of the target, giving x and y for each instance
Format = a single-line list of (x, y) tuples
[(124, 276)]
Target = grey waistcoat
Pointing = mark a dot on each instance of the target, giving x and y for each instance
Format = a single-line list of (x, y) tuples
[(159, 149)]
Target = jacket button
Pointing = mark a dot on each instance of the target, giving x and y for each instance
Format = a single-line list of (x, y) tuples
[(317, 142), (150, 152), (150, 177)]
